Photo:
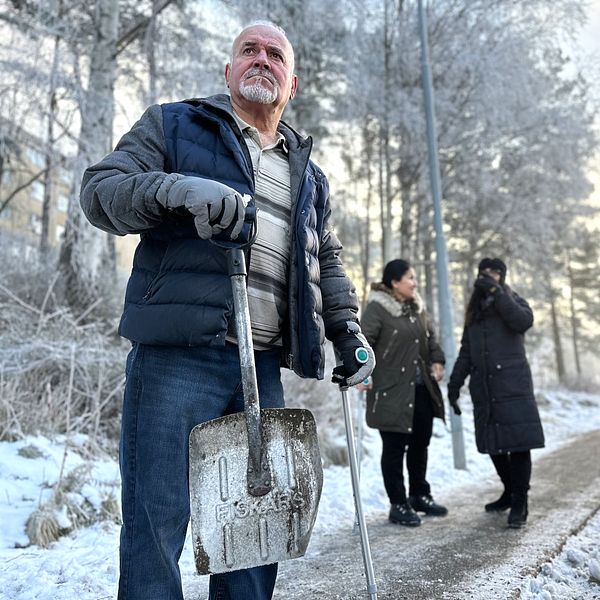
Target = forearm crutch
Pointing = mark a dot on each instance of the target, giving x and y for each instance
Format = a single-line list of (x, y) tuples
[(364, 536)]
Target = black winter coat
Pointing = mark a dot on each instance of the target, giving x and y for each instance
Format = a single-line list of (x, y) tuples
[(493, 354)]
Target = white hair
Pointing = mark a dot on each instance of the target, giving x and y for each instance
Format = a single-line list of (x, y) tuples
[(262, 23), (265, 23)]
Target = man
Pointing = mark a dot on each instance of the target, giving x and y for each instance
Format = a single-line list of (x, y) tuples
[(179, 177)]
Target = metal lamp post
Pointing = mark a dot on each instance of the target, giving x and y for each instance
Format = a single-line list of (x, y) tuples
[(444, 299)]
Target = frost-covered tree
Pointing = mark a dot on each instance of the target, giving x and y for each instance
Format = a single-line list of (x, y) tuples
[(514, 124), (87, 253), (582, 261), (93, 36)]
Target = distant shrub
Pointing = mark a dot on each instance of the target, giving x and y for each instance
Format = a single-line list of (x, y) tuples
[(59, 371), (582, 383)]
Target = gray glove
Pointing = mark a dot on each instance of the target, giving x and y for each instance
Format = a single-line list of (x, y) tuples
[(215, 206), (358, 359)]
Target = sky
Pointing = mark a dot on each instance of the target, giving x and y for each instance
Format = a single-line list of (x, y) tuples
[(590, 37), (84, 564), (586, 55)]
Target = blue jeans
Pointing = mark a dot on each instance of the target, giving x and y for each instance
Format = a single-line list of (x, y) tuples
[(169, 391)]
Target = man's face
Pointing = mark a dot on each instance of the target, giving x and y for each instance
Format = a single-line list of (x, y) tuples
[(262, 68)]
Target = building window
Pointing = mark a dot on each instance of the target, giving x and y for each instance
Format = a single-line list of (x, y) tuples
[(35, 224), (62, 203), (36, 157), (37, 190), (65, 176)]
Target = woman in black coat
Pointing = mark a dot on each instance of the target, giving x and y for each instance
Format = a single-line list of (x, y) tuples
[(492, 353)]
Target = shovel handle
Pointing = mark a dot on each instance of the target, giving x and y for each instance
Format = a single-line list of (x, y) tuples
[(259, 475)]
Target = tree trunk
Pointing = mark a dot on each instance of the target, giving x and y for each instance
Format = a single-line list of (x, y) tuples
[(87, 254), (369, 141), (149, 47), (386, 199), (405, 233), (49, 175), (574, 328), (428, 262), (385, 232), (558, 352)]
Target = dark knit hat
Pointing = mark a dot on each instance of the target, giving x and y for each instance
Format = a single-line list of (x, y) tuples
[(495, 264), (394, 271)]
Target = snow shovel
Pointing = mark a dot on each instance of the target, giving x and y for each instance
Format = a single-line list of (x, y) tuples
[(362, 525), (255, 477)]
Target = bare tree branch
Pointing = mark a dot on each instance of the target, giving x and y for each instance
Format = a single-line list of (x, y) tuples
[(23, 186), (138, 27)]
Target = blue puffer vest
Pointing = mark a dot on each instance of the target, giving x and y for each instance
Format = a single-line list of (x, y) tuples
[(179, 293)]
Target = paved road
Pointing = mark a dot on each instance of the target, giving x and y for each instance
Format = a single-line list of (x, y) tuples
[(467, 555)]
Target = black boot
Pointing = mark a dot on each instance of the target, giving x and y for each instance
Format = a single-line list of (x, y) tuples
[(403, 514), (517, 517), (428, 505), (503, 503)]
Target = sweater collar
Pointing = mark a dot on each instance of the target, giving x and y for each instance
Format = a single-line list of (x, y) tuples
[(222, 103)]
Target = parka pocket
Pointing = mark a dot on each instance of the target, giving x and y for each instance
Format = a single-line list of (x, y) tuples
[(382, 399), (155, 281), (386, 407), (512, 378)]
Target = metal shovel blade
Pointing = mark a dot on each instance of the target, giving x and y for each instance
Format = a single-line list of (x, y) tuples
[(234, 529)]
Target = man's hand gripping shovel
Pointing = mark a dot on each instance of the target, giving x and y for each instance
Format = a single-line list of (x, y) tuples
[(255, 477)]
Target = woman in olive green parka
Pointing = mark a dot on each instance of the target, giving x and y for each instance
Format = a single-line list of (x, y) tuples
[(403, 396)]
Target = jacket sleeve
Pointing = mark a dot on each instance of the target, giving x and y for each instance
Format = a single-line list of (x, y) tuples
[(436, 354), (340, 303), (118, 194), (514, 311), (462, 366), (371, 323)]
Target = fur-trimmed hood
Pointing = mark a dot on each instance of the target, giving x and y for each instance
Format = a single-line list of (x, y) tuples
[(381, 294)]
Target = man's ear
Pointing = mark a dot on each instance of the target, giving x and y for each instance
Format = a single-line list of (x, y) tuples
[(294, 86), (227, 73)]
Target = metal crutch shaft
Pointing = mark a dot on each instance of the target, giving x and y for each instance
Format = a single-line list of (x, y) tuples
[(364, 536), (359, 437)]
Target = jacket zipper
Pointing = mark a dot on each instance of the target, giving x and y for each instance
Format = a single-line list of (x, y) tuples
[(389, 346), (376, 401), (292, 269)]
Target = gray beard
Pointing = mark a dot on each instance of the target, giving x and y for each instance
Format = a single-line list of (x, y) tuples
[(255, 92)]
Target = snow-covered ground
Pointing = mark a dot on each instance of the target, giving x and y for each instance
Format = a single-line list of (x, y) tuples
[(84, 564), (574, 573)]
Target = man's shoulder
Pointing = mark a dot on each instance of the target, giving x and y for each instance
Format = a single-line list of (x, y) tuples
[(316, 170), (219, 101)]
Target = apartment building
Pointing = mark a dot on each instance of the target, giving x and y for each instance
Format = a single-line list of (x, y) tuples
[(21, 216)]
